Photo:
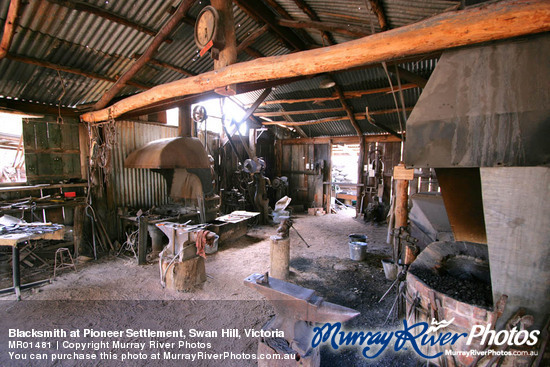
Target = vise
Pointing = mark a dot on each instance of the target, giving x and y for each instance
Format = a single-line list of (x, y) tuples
[(296, 309)]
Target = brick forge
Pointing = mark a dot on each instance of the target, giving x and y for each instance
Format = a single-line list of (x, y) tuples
[(425, 302)]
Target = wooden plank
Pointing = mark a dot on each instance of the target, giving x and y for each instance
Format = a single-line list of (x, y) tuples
[(301, 112), (9, 27), (41, 131), (382, 138), (13, 239), (501, 20), (325, 26), (347, 95), (54, 135), (517, 219)]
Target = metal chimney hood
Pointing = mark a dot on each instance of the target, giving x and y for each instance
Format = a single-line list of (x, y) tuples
[(176, 158), (484, 106)]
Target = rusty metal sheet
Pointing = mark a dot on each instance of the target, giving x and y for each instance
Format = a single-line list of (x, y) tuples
[(461, 191), (169, 153)]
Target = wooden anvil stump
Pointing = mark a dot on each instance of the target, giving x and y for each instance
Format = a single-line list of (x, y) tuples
[(184, 275), (180, 266)]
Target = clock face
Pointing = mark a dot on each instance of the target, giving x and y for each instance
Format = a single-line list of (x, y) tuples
[(205, 26)]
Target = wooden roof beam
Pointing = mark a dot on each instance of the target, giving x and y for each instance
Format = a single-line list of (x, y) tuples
[(261, 13), (378, 10), (412, 77), (495, 21), (347, 95), (66, 69), (285, 15), (168, 66), (183, 8), (311, 14), (348, 109), (357, 116), (301, 112), (325, 26), (248, 41), (9, 28), (88, 8)]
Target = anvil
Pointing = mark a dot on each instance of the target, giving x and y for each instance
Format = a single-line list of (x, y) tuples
[(296, 308)]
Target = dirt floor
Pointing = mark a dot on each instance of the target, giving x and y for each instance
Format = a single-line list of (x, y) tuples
[(115, 293)]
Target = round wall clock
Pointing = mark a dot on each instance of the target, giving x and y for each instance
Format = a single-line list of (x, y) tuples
[(207, 27)]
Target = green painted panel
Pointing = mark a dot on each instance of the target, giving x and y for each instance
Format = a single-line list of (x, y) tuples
[(54, 136)]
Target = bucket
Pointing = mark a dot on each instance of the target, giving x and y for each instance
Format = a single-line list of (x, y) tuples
[(358, 251), (356, 237), (211, 249), (357, 246), (390, 269)]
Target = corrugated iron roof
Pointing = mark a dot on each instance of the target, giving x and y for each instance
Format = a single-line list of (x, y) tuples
[(47, 32)]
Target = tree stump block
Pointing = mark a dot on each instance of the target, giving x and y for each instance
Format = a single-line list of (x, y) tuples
[(280, 257), (184, 275)]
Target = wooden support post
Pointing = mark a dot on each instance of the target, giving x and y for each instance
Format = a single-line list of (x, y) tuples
[(186, 125), (328, 186), (252, 142), (360, 173), (78, 223), (228, 55), (143, 235), (401, 204), (279, 255)]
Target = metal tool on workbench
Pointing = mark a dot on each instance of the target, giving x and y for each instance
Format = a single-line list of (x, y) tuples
[(297, 308)]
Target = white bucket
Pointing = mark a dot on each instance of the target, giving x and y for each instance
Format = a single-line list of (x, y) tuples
[(211, 249)]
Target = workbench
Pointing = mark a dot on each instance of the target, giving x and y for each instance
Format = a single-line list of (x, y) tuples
[(14, 239)]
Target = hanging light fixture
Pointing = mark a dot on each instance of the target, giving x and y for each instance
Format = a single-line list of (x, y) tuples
[(326, 82)]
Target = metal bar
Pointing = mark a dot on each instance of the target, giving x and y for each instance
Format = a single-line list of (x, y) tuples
[(142, 241), (16, 271)]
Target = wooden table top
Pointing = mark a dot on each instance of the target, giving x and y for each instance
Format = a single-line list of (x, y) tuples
[(34, 233)]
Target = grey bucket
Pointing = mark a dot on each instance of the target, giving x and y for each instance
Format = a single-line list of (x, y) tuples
[(390, 269), (357, 247)]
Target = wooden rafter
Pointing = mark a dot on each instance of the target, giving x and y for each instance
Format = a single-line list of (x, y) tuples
[(88, 8), (325, 26), (378, 10), (357, 116), (248, 41), (9, 28), (301, 112), (168, 66), (313, 16), (412, 77), (347, 95), (285, 15), (328, 38), (87, 74), (184, 6), (261, 13), (348, 109), (495, 21)]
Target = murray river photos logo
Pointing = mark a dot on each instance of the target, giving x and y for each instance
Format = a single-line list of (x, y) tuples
[(421, 334)]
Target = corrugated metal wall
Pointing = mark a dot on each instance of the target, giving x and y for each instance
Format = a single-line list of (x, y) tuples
[(137, 187)]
